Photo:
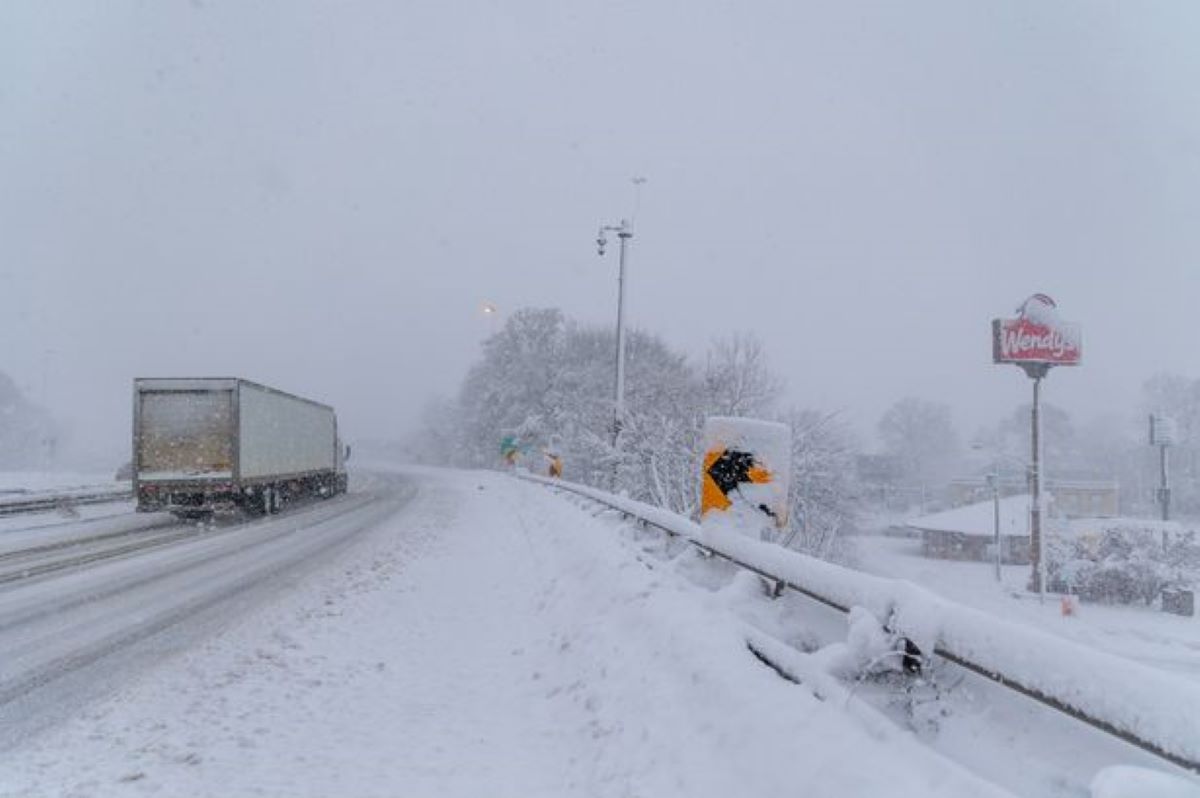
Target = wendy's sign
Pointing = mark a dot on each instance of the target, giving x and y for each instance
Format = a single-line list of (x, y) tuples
[(1037, 336)]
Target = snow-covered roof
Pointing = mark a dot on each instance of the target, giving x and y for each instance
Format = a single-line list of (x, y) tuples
[(978, 519)]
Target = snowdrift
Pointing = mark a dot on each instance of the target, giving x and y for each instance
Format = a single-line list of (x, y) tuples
[(1147, 707)]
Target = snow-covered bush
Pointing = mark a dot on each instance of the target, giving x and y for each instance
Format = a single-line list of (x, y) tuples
[(1123, 562)]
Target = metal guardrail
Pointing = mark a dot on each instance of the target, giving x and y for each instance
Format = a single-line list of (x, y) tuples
[(57, 501), (982, 669)]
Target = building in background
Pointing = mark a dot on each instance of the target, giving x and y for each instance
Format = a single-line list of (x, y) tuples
[(968, 532)]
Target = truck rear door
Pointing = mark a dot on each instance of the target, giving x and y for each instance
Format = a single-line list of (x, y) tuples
[(185, 435)]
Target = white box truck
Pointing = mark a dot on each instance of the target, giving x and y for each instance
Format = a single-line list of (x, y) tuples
[(203, 445)]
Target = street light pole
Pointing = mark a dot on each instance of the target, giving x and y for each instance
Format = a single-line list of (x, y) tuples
[(994, 479), (624, 232)]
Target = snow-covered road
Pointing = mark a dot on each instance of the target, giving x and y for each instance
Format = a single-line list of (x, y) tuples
[(82, 604), (487, 638)]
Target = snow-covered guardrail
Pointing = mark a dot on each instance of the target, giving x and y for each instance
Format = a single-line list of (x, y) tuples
[(1140, 705), (50, 500)]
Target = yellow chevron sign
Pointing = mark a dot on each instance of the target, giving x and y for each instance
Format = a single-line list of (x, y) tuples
[(724, 470)]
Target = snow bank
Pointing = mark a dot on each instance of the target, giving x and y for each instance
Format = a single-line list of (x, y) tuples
[(1151, 705), (1124, 781), (680, 707)]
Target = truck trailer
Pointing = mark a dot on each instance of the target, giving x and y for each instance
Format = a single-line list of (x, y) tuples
[(205, 445)]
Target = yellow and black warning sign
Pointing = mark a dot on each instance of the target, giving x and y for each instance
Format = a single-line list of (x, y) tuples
[(746, 471), (724, 471)]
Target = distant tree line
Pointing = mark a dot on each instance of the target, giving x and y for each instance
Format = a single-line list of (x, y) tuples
[(922, 449)]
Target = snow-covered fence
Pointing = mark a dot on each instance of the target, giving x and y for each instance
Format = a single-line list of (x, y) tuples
[(1140, 705)]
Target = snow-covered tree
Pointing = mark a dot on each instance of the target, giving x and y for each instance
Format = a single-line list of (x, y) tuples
[(1060, 442), (547, 383), (824, 496), (921, 435), (661, 444), (437, 440), (1179, 398), (737, 378), (513, 390), (26, 430)]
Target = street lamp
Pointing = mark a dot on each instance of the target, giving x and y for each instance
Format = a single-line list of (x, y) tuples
[(489, 310)]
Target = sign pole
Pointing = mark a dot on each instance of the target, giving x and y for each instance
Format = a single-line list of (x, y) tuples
[(1036, 582), (1036, 340)]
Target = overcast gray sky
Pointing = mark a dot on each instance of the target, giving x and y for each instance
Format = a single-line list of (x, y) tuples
[(319, 195)]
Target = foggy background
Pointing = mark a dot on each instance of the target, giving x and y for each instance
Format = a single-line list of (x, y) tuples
[(320, 196)]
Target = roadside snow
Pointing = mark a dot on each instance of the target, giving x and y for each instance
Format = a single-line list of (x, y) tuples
[(490, 639), (1164, 641), (1122, 781), (1150, 704)]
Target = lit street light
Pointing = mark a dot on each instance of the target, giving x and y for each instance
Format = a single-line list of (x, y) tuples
[(489, 310)]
